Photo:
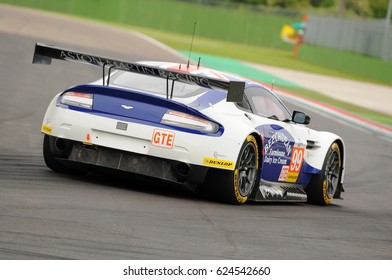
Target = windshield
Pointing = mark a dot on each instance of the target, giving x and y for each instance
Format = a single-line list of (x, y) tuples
[(156, 85)]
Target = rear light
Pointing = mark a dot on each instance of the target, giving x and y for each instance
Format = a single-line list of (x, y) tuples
[(77, 99), (184, 120)]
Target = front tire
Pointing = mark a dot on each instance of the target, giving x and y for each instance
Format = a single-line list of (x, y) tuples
[(234, 187), (324, 186)]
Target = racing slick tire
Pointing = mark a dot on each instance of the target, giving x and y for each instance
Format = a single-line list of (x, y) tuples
[(323, 187), (234, 187), (54, 163)]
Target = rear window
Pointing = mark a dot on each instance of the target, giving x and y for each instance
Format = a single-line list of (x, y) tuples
[(156, 85)]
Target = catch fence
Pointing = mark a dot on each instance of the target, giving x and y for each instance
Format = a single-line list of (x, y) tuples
[(367, 37)]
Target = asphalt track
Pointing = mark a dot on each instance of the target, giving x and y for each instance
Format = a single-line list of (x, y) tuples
[(45, 215)]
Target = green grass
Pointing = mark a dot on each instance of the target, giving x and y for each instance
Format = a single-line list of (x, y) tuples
[(359, 66), (257, 54)]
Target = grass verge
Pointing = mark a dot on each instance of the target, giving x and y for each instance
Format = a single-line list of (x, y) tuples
[(338, 62)]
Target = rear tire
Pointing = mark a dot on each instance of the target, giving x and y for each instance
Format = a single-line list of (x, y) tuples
[(324, 186), (234, 187), (52, 161)]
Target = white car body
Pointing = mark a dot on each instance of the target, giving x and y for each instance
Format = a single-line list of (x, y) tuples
[(184, 132)]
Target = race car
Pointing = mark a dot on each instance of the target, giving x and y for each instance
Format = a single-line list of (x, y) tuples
[(214, 132)]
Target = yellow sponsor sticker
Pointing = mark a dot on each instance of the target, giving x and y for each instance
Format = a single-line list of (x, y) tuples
[(47, 129), (218, 163), (292, 177)]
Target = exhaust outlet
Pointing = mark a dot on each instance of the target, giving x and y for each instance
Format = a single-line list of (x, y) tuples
[(183, 169), (60, 144)]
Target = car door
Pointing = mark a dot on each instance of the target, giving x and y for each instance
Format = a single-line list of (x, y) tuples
[(284, 152), (284, 142)]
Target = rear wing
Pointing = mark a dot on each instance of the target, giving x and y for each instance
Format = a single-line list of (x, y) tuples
[(43, 54)]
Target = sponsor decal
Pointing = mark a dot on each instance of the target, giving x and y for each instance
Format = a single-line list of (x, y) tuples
[(137, 68), (275, 160), (292, 177), (295, 164), (283, 173), (277, 137), (218, 163), (47, 129), (163, 138)]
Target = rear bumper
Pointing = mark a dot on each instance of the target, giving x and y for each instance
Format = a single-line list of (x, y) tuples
[(170, 170)]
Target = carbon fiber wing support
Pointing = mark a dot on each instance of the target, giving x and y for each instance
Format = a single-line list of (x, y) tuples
[(44, 53)]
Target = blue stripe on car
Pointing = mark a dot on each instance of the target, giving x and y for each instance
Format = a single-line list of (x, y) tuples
[(209, 98), (146, 109)]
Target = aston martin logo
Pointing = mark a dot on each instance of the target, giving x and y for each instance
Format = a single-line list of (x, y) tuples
[(127, 107)]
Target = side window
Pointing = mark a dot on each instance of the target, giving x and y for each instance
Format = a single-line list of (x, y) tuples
[(265, 104), (244, 104)]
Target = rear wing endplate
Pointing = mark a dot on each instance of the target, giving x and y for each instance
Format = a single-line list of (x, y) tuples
[(43, 54)]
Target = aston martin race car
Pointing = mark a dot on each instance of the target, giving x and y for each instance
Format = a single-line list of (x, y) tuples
[(211, 131)]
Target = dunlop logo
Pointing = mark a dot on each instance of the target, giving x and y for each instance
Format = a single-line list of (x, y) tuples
[(218, 163)]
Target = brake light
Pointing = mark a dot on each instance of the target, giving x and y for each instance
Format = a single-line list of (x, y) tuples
[(77, 99), (184, 120)]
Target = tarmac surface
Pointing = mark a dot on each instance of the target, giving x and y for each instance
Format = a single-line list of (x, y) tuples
[(45, 215)]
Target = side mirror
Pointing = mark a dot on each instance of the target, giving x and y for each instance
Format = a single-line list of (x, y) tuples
[(301, 118)]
